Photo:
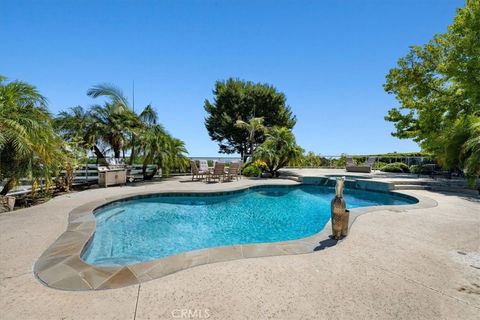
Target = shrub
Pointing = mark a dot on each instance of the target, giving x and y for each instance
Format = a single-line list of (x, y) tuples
[(378, 165), (261, 165), (251, 170), (420, 169), (396, 167)]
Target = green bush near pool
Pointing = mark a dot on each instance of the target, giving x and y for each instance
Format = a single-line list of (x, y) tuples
[(420, 169), (399, 167), (251, 170)]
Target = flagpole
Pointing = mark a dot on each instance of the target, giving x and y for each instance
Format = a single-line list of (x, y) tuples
[(133, 95)]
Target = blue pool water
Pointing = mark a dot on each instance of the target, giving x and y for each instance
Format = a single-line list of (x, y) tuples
[(144, 229)]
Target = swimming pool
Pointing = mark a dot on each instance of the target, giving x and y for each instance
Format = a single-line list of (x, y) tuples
[(147, 228)]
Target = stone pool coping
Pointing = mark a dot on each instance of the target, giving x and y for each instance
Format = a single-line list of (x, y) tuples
[(61, 266)]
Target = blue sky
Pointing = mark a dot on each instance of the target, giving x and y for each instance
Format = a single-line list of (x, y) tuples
[(329, 57)]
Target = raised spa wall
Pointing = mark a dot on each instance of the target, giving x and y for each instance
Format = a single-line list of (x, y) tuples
[(350, 183)]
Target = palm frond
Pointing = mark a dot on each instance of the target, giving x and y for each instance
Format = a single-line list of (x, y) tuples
[(110, 91)]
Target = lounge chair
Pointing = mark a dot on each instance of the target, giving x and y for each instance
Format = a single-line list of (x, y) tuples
[(218, 172), (371, 161), (203, 165), (233, 171), (200, 174), (366, 168)]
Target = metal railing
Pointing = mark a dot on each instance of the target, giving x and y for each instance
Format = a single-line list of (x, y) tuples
[(339, 161), (87, 173), (84, 175)]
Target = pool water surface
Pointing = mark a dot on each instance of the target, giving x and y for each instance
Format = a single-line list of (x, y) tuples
[(148, 228)]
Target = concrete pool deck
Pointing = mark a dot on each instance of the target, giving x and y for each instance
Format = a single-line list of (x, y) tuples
[(412, 264)]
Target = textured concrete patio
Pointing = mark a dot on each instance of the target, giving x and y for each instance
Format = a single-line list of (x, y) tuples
[(414, 264)]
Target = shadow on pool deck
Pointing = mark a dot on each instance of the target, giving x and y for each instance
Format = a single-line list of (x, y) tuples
[(327, 243)]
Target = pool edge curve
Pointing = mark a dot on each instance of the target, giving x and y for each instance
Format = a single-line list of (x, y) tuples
[(61, 266)]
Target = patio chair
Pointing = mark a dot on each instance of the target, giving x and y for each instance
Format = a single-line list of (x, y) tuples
[(196, 172), (218, 172), (366, 168), (233, 171)]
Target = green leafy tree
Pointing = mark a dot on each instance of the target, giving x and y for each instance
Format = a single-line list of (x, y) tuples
[(243, 100), (29, 147), (472, 149), (278, 149), (437, 86)]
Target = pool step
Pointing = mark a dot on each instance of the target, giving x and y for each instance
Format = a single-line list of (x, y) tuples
[(410, 182), (294, 178), (412, 187)]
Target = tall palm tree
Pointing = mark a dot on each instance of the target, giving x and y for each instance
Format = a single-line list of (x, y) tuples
[(253, 127), (114, 125), (29, 147), (116, 122)]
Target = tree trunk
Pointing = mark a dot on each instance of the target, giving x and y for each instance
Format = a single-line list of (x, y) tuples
[(8, 186), (132, 154), (244, 152), (99, 155), (148, 176), (116, 153)]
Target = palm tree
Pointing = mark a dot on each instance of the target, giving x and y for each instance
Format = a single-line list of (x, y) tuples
[(78, 127), (29, 147), (151, 145), (253, 126), (177, 158), (147, 119), (278, 149), (111, 92), (116, 123), (160, 148)]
